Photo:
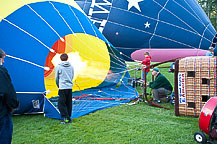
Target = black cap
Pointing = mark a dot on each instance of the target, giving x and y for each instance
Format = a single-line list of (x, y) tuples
[(2, 53)]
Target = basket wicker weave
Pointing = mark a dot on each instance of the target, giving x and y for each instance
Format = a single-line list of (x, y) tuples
[(195, 83)]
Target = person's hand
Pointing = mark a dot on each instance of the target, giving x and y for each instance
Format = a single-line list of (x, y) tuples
[(147, 83), (137, 61)]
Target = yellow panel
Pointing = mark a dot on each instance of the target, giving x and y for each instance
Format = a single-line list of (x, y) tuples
[(9, 6), (92, 54)]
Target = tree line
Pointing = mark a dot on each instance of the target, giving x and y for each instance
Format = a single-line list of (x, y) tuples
[(210, 8)]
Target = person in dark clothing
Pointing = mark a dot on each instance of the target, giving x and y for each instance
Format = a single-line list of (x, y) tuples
[(64, 74), (8, 102), (161, 86)]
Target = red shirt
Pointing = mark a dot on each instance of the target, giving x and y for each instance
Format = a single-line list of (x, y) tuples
[(146, 62)]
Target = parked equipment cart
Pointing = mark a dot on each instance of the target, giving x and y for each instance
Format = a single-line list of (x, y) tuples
[(208, 123)]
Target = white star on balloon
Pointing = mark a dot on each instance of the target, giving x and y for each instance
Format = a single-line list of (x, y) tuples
[(147, 25), (134, 3)]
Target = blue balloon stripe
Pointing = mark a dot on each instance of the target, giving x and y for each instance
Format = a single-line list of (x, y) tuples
[(185, 6), (145, 16), (170, 22)]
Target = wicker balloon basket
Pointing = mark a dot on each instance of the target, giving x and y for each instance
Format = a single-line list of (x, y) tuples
[(195, 84)]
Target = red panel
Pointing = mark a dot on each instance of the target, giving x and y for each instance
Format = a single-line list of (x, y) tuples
[(58, 47), (206, 114)]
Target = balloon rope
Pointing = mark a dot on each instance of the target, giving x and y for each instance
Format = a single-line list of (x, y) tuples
[(91, 39), (176, 17), (195, 14), (153, 34), (27, 33), (46, 68), (44, 21)]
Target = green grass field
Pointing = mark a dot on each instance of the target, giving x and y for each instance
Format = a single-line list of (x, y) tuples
[(124, 124)]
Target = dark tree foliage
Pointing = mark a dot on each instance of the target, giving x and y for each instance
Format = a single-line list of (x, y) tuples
[(210, 8)]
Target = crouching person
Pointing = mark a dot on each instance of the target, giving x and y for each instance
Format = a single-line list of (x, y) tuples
[(161, 86), (64, 74)]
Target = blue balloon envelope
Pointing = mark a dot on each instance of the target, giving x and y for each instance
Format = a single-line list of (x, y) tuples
[(132, 25), (34, 33)]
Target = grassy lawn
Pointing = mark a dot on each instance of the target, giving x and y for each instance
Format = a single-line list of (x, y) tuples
[(136, 124)]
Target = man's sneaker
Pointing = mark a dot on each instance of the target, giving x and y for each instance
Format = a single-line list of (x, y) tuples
[(70, 121), (139, 99), (165, 99), (156, 101), (65, 121)]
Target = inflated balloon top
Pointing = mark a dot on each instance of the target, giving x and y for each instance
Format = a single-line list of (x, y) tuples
[(34, 33), (131, 25)]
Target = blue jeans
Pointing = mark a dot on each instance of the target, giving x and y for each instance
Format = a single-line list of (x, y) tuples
[(6, 129), (143, 75)]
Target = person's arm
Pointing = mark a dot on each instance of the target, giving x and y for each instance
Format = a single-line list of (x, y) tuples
[(72, 73), (156, 83), (144, 62), (138, 62), (57, 76), (12, 101), (7, 90)]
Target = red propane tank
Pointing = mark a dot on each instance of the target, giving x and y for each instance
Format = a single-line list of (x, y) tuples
[(206, 114)]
